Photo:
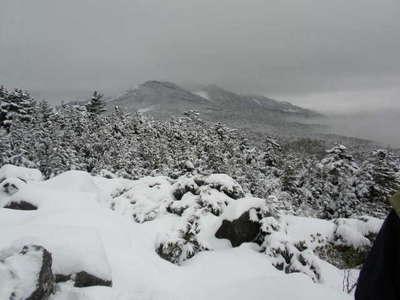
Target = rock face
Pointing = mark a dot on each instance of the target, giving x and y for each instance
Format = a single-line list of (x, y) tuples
[(45, 283), (20, 205), (83, 279), (239, 231), (26, 273)]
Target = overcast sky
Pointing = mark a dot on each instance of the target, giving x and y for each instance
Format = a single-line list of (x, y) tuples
[(328, 54)]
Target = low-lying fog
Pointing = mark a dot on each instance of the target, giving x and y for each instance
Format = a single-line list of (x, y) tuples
[(370, 114), (381, 126)]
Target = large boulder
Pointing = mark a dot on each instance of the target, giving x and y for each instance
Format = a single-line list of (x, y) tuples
[(241, 221), (239, 231), (26, 273), (20, 205)]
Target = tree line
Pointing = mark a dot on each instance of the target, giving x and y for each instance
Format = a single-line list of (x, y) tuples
[(337, 183)]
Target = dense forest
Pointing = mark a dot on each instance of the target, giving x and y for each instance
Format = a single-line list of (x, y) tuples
[(307, 176)]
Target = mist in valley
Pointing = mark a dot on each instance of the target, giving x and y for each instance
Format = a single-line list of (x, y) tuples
[(379, 126)]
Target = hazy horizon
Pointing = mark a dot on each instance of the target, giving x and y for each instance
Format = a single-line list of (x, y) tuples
[(287, 49), (336, 57)]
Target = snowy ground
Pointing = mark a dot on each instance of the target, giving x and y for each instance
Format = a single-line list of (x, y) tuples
[(75, 223)]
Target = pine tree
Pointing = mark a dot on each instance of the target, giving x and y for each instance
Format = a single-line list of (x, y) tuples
[(43, 112), (27, 106), (384, 171), (3, 106), (18, 105), (96, 104), (338, 173)]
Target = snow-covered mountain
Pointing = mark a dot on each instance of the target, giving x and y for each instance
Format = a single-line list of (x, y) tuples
[(82, 237), (164, 99), (161, 99), (251, 103)]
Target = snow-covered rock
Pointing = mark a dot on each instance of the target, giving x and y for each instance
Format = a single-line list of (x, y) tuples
[(24, 174), (25, 273), (113, 231), (74, 249), (73, 181), (10, 186), (239, 231)]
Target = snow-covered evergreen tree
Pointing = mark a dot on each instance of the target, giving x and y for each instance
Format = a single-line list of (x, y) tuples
[(96, 104), (379, 177), (17, 105), (338, 170), (4, 106), (71, 137)]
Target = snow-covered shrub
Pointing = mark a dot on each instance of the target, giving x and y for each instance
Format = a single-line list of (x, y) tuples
[(350, 242), (188, 200), (222, 183), (144, 198), (183, 185), (210, 193), (182, 244), (289, 257), (212, 200)]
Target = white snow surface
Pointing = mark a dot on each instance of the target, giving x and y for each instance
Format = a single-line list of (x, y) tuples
[(202, 94), (26, 174), (18, 272), (75, 223)]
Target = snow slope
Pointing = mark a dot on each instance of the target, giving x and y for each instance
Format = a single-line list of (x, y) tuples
[(75, 223)]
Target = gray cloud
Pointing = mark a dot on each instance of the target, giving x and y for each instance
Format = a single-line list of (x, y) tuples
[(290, 49)]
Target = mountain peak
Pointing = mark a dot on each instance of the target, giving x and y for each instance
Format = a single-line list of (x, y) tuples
[(159, 84), (163, 99)]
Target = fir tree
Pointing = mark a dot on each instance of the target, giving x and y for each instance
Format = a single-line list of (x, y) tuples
[(382, 170), (96, 104), (18, 105), (43, 112), (3, 106), (338, 170)]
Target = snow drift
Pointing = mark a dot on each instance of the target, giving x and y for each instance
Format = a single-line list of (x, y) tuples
[(156, 238)]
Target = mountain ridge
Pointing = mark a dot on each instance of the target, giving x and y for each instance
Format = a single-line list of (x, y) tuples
[(163, 99)]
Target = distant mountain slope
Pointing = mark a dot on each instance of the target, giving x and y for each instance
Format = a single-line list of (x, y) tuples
[(160, 99), (164, 99), (252, 102)]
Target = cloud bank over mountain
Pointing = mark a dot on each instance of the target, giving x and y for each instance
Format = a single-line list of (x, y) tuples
[(284, 49)]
